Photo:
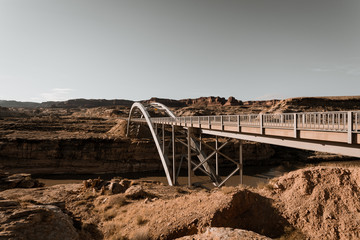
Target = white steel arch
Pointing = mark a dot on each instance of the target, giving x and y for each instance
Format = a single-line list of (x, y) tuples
[(163, 158), (192, 142), (170, 113)]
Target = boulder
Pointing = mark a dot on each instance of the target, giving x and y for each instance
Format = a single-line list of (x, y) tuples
[(137, 192), (41, 222), (226, 234)]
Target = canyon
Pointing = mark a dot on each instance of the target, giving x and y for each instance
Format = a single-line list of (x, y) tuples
[(88, 136)]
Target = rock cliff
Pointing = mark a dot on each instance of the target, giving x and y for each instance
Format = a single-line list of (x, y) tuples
[(97, 155)]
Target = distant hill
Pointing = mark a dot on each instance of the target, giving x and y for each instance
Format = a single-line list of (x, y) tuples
[(285, 105), (73, 103), (16, 104), (88, 103)]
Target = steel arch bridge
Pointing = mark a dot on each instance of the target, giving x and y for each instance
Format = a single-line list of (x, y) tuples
[(332, 132)]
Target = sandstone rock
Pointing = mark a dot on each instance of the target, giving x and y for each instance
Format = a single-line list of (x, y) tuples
[(21, 180), (116, 187), (41, 222), (225, 234), (232, 102), (166, 102), (126, 183), (7, 112), (8, 203), (321, 201), (137, 192), (119, 129), (207, 101)]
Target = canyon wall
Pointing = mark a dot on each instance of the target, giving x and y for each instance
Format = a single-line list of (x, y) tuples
[(97, 155)]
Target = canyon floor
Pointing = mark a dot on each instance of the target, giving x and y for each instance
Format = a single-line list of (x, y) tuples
[(312, 203)]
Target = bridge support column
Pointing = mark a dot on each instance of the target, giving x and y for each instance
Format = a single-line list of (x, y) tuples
[(173, 154), (350, 127), (216, 156), (261, 116), (200, 142), (241, 161), (163, 138), (295, 126), (189, 155)]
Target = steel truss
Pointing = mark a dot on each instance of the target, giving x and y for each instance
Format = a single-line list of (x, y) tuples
[(196, 158)]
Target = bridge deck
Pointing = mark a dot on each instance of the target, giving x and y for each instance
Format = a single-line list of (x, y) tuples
[(333, 132)]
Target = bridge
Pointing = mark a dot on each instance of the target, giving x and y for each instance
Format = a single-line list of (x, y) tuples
[(332, 132)]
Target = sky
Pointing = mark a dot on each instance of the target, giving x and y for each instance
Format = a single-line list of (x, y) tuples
[(54, 50)]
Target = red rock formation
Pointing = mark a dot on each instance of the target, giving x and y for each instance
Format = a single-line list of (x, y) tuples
[(233, 102), (166, 102), (206, 101)]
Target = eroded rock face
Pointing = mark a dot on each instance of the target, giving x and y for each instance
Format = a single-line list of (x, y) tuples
[(79, 156), (208, 101), (98, 155), (42, 222), (21, 180), (316, 104), (233, 102), (7, 112)]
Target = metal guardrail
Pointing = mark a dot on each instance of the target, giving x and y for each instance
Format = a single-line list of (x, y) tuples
[(318, 121)]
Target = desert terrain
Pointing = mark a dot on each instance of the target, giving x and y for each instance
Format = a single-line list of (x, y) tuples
[(88, 137)]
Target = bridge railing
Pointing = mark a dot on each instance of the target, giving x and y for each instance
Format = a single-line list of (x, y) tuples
[(357, 121), (320, 121), (284, 120), (326, 121)]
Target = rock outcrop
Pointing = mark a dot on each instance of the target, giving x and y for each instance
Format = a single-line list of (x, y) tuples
[(233, 102), (316, 104), (324, 202), (7, 112), (20, 180), (42, 222), (166, 102), (206, 101), (225, 234)]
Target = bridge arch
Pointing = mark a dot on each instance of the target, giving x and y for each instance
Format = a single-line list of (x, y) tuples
[(163, 157), (167, 110)]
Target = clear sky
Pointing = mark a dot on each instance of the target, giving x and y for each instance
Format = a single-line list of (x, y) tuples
[(137, 49)]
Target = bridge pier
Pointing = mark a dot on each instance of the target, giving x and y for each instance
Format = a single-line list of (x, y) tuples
[(173, 154), (216, 156), (163, 138), (241, 161), (189, 130)]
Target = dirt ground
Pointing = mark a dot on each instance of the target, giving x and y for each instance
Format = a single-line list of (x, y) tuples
[(313, 203), (324, 202)]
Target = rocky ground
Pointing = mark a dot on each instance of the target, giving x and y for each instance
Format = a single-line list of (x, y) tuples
[(313, 203)]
